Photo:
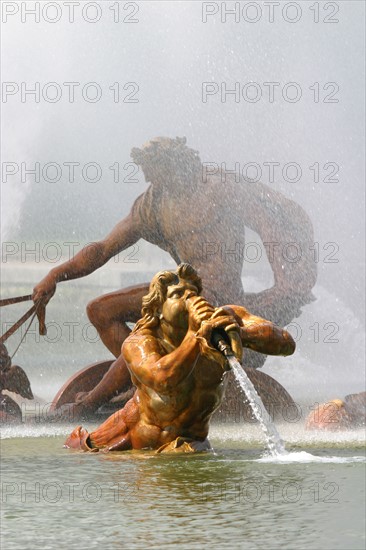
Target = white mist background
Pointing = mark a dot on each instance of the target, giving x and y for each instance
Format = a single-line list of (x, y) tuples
[(169, 53)]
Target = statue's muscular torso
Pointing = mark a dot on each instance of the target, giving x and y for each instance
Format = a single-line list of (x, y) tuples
[(205, 226), (184, 410), (202, 227)]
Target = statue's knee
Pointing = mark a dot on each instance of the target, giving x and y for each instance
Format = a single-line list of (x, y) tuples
[(95, 313), (102, 314)]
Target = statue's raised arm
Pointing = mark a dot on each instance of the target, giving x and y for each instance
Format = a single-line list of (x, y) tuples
[(90, 258)]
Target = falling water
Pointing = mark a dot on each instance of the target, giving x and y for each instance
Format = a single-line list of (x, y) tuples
[(273, 438)]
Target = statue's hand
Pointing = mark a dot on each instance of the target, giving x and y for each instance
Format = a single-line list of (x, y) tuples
[(222, 320), (199, 310), (44, 290)]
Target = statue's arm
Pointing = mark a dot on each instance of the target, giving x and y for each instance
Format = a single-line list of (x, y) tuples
[(262, 335), (93, 256), (160, 372)]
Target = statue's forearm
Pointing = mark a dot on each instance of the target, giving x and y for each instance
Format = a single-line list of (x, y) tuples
[(171, 369), (268, 339), (83, 263), (94, 255)]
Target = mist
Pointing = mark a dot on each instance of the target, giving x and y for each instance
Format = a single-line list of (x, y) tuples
[(180, 76)]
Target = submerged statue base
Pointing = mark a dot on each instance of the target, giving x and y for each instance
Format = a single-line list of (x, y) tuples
[(179, 376)]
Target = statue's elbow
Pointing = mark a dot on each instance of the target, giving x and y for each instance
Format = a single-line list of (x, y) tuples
[(289, 345)]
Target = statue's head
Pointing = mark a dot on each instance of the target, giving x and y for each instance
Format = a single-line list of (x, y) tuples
[(163, 284), (163, 160)]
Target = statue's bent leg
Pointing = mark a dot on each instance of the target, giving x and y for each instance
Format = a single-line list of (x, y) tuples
[(112, 431), (117, 379), (113, 434), (110, 313)]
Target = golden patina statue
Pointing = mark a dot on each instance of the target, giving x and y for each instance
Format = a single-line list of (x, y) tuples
[(178, 374), (339, 414), (198, 217)]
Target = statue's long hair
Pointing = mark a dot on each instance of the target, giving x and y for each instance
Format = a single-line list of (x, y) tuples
[(152, 302)]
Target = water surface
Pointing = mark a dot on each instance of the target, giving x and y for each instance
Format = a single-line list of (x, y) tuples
[(235, 497)]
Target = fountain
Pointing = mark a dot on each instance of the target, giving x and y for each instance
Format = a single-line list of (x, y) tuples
[(274, 442), (178, 375), (274, 95)]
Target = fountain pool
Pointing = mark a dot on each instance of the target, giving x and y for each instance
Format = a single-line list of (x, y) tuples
[(232, 498)]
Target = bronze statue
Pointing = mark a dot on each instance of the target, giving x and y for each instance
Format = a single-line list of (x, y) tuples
[(12, 379), (339, 414), (179, 376), (201, 221)]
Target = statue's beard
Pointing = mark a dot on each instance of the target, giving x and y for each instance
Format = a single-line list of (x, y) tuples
[(154, 174), (150, 175), (157, 170), (137, 155), (147, 175), (152, 165)]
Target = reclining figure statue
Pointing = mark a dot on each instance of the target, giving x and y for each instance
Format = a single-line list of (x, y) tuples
[(179, 376)]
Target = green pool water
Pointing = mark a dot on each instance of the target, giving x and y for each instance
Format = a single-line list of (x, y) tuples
[(232, 498)]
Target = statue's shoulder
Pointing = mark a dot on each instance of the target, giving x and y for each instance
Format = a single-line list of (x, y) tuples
[(140, 345), (144, 202), (142, 337)]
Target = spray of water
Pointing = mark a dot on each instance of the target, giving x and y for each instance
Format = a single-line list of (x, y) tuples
[(274, 442)]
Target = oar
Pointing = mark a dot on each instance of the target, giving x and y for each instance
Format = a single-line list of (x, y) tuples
[(37, 309), (16, 300), (18, 324)]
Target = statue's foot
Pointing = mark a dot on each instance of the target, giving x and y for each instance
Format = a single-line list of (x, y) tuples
[(79, 440)]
